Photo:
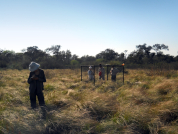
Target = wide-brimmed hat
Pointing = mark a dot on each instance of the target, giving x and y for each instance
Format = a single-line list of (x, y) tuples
[(33, 66), (90, 67)]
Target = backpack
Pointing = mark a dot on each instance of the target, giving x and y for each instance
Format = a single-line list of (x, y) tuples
[(100, 73)]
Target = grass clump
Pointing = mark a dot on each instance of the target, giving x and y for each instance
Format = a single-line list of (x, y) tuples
[(2, 84), (49, 87), (146, 86), (49, 74), (164, 89)]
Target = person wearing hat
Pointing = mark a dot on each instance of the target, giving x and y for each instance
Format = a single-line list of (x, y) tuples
[(90, 74), (113, 72), (36, 79), (101, 72)]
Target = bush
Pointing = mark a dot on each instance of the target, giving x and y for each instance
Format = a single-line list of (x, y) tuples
[(115, 63), (74, 62), (17, 66), (3, 64), (99, 60)]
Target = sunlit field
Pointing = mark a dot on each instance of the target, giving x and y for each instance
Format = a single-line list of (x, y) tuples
[(146, 104)]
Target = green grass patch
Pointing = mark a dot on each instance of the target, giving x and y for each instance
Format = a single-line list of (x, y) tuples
[(2, 84), (49, 87), (146, 86)]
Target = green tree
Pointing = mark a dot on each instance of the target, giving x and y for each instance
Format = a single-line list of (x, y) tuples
[(159, 47), (74, 62), (107, 55), (34, 53)]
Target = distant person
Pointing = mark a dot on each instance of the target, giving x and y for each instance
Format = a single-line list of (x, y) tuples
[(101, 72), (36, 79), (113, 72), (90, 74)]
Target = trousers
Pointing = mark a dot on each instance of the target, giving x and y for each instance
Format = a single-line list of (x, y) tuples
[(113, 77), (102, 77), (40, 99)]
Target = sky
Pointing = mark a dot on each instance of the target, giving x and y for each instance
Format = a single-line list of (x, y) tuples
[(87, 27)]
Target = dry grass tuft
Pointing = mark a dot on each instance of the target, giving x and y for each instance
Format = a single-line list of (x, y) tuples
[(168, 116), (49, 74), (164, 88), (102, 107)]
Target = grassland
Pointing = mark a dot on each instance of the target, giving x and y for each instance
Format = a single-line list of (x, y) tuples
[(146, 104)]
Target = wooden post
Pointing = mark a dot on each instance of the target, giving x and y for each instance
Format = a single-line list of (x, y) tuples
[(81, 73), (123, 74), (107, 72), (94, 74)]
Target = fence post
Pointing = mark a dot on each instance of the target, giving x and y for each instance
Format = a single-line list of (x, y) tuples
[(81, 73), (107, 72), (94, 74), (123, 74)]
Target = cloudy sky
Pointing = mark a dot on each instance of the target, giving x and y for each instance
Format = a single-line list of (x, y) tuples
[(88, 26)]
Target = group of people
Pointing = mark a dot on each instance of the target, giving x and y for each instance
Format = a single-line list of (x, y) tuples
[(37, 77), (101, 73)]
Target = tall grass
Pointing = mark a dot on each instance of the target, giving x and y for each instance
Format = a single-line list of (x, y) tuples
[(147, 103)]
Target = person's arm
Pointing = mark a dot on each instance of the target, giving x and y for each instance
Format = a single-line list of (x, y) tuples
[(43, 79), (89, 72), (111, 70), (30, 79)]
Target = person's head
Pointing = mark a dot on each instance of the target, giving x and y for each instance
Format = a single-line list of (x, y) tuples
[(36, 70), (100, 65), (33, 67), (90, 67), (112, 66)]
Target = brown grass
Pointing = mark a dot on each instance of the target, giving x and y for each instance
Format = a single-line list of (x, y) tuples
[(145, 104)]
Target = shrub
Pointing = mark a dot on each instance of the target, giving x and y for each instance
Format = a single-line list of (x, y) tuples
[(3, 64), (99, 60), (74, 62), (115, 63)]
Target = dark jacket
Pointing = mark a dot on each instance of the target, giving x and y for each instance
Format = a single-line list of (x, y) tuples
[(37, 84)]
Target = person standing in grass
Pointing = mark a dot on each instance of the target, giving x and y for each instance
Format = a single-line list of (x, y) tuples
[(101, 72), (36, 79), (113, 72), (90, 74)]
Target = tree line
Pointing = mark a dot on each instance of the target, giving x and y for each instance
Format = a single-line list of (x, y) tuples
[(53, 57)]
